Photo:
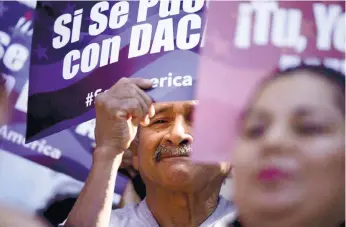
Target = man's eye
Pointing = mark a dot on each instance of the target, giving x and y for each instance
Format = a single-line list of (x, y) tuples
[(160, 121)]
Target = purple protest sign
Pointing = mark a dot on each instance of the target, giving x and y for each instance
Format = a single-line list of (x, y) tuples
[(246, 41), (69, 151), (81, 48)]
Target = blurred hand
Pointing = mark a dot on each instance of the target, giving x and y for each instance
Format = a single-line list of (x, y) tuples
[(119, 111)]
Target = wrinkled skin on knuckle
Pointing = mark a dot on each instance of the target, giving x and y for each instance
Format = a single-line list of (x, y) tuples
[(100, 100)]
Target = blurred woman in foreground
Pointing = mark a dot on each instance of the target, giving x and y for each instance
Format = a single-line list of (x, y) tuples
[(289, 166)]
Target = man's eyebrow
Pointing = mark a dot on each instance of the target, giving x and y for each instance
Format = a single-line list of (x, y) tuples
[(190, 108), (162, 109)]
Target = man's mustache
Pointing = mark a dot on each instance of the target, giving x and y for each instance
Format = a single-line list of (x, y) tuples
[(164, 151)]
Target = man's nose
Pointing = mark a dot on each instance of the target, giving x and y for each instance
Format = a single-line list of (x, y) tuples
[(179, 133)]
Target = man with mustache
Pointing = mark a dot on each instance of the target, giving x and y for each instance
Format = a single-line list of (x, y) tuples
[(179, 193)]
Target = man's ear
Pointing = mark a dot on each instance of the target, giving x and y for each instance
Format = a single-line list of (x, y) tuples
[(134, 150)]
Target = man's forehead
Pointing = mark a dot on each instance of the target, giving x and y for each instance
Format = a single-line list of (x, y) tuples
[(172, 105)]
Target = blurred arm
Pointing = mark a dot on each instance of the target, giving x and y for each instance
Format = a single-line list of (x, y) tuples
[(94, 204)]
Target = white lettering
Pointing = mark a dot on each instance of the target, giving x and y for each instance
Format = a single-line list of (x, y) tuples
[(15, 137), (143, 7), (339, 34), (187, 81), (162, 81), (192, 6), (195, 22), (3, 131), (100, 19), (77, 24), (289, 61), (335, 64), (69, 71), (119, 15), (164, 36), (262, 21), (55, 154), (169, 8), (286, 28), (90, 57), (155, 82), (87, 129), (177, 81), (243, 27), (140, 33), (284, 25), (98, 91), (325, 22), (172, 81), (63, 31), (22, 101), (110, 46)]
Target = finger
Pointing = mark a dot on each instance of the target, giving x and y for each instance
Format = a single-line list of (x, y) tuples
[(136, 121), (123, 109), (151, 111), (133, 107), (148, 101), (145, 121), (139, 97), (144, 96), (142, 83)]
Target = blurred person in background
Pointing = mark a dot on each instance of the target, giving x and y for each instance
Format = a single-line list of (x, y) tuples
[(178, 192), (10, 217), (3, 100), (135, 189), (289, 165), (64, 197), (14, 218)]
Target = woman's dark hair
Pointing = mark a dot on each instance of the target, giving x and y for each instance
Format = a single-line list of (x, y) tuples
[(335, 78)]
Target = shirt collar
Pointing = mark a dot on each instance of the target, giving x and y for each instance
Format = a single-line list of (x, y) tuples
[(223, 208)]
